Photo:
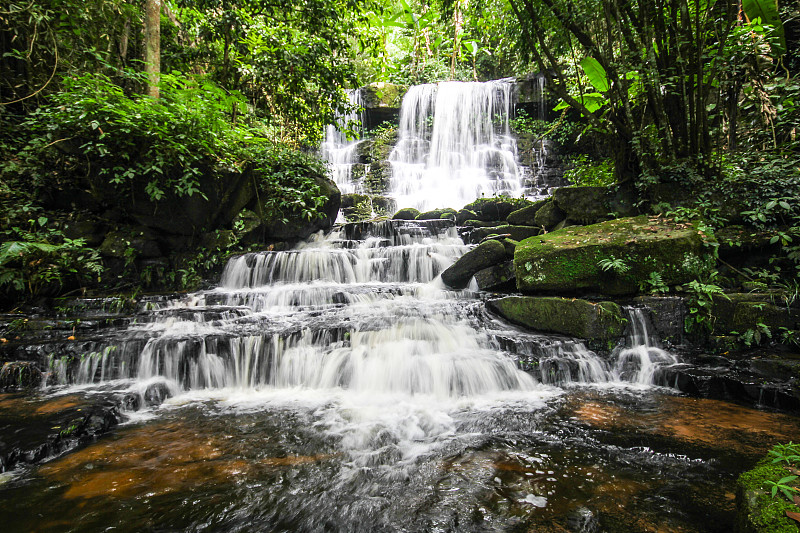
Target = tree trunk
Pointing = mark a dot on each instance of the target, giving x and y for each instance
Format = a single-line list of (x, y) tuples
[(152, 45)]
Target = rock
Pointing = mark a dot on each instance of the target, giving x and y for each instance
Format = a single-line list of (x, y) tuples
[(352, 200), (548, 215), (129, 242), (464, 215), (437, 214), (601, 322), (383, 205), (383, 94), (587, 205), (377, 180), (525, 216), (517, 233), (228, 190), (497, 208), (488, 254), (568, 260), (666, 315), (740, 312), (92, 231), (218, 240), (156, 393), (407, 213), (20, 375), (496, 277), (756, 510), (482, 224), (299, 227)]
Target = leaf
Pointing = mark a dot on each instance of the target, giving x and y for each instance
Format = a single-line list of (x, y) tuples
[(793, 516), (767, 12), (596, 74)]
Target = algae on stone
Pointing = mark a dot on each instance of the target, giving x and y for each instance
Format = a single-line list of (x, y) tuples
[(601, 321), (568, 260)]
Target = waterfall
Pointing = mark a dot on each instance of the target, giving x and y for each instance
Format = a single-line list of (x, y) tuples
[(454, 145), (340, 151), (641, 359)]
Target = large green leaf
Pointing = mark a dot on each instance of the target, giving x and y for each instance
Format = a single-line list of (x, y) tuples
[(596, 74), (767, 12)]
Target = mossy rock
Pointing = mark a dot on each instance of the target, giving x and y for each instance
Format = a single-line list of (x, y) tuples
[(526, 215), (497, 277), (567, 260), (481, 224), (407, 213), (587, 205), (130, 241), (353, 199), (496, 208), (297, 226), (486, 255), (465, 215), (740, 312), (601, 322), (757, 510), (383, 94), (437, 214), (518, 233), (548, 215)]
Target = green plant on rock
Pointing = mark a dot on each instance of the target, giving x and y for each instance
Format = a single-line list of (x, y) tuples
[(613, 264), (653, 284), (781, 485), (701, 302), (755, 335)]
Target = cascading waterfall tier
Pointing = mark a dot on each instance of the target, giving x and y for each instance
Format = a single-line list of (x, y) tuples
[(340, 150), (455, 145)]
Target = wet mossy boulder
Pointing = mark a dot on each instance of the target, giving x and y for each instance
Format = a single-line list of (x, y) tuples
[(496, 208), (587, 205), (436, 214), (407, 213), (465, 215), (458, 275), (517, 233), (497, 277), (601, 322), (757, 511), (569, 260), (20, 375), (526, 215), (549, 215)]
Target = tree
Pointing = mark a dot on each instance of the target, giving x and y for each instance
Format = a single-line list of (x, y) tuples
[(152, 45)]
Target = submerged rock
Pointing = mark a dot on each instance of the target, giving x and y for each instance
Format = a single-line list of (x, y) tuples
[(602, 322), (570, 259), (488, 254)]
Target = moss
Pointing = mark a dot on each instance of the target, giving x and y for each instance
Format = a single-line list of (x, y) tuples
[(548, 215), (567, 260), (436, 214), (602, 322), (496, 208), (383, 94), (758, 511), (408, 213)]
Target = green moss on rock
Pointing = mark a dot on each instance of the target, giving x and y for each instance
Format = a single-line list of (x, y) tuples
[(437, 214), (486, 255), (757, 510), (548, 215), (383, 94), (407, 213), (567, 260), (587, 205), (496, 208), (602, 322), (526, 215), (518, 233)]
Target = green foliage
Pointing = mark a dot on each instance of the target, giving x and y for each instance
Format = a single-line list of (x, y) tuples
[(586, 172), (562, 131), (700, 302), (613, 264), (135, 142), (654, 284), (287, 181)]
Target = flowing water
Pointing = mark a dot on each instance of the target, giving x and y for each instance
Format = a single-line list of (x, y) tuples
[(340, 387), (340, 148)]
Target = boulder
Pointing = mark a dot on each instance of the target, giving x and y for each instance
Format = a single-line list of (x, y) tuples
[(482, 224), (437, 214), (756, 510), (458, 275), (517, 233), (601, 322), (526, 215), (464, 215), (569, 260), (299, 227), (496, 208), (407, 213), (740, 312), (497, 277), (91, 230), (352, 200), (548, 215), (587, 205), (128, 241), (20, 375)]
